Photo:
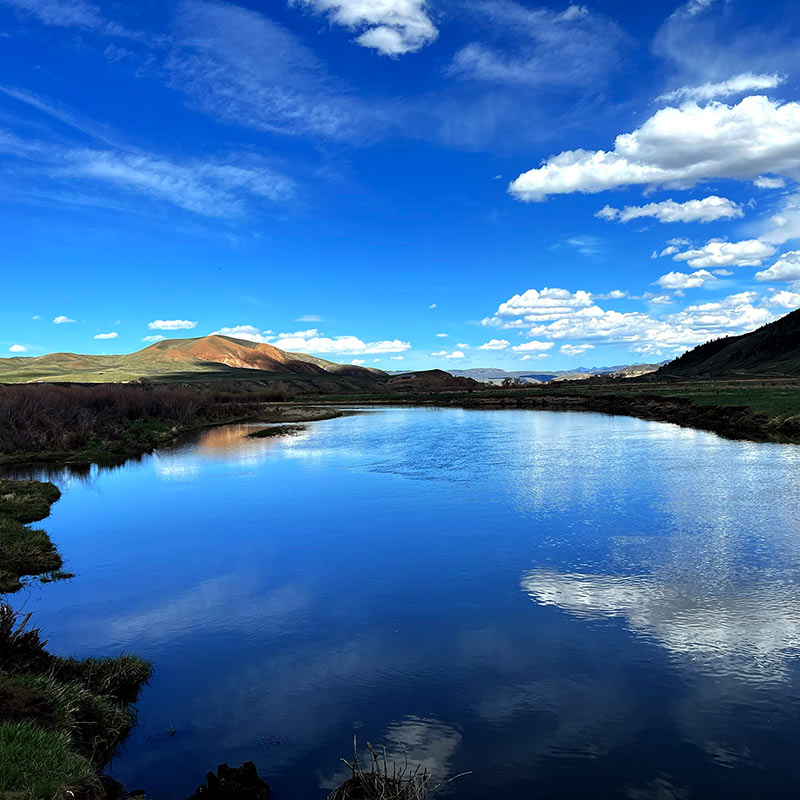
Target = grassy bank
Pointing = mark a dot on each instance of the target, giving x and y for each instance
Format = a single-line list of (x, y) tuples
[(60, 719), (25, 552)]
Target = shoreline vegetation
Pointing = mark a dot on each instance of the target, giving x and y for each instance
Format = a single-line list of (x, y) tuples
[(62, 719), (760, 410), (108, 424)]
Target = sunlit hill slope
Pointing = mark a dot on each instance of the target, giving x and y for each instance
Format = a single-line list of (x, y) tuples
[(203, 358)]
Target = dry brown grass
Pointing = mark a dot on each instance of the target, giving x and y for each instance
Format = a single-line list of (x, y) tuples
[(384, 779), (45, 418)]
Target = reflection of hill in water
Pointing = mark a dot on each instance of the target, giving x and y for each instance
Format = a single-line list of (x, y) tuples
[(229, 444)]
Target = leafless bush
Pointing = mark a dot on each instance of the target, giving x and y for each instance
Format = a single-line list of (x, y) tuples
[(48, 418), (384, 779)]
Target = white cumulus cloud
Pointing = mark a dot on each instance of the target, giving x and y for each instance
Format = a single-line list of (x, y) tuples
[(534, 346), (110, 335), (62, 319), (684, 280), (784, 299), (706, 210), (392, 27), (247, 332), (786, 268), (171, 325), (718, 253), (639, 332), (679, 147), (734, 313), (765, 182), (495, 344), (540, 305), (313, 341), (575, 349), (17, 348), (445, 354)]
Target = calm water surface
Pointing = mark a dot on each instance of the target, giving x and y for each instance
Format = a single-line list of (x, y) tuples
[(569, 605)]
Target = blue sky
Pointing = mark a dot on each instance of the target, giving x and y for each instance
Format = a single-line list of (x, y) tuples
[(403, 183)]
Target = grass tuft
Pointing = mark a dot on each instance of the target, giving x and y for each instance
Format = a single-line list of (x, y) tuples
[(26, 551), (27, 501), (36, 763), (381, 779)]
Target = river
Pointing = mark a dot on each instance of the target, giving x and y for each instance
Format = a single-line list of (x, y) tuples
[(568, 605)]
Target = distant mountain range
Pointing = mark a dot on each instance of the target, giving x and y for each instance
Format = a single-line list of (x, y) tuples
[(772, 350), (497, 376), (174, 359)]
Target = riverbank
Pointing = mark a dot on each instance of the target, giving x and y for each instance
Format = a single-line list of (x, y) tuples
[(108, 424), (733, 422), (61, 719), (736, 409)]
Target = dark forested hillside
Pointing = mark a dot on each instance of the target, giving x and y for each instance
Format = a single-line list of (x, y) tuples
[(773, 349)]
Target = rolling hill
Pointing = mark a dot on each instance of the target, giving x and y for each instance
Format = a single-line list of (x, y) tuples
[(208, 357), (770, 351)]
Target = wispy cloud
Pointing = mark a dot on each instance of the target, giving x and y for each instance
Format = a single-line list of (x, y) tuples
[(212, 189), (245, 69), (62, 319), (72, 13), (228, 187), (738, 84), (539, 47), (62, 114)]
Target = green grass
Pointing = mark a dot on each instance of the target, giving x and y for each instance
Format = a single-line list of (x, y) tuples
[(25, 551), (95, 724), (37, 763), (63, 718), (27, 501), (776, 403), (120, 677)]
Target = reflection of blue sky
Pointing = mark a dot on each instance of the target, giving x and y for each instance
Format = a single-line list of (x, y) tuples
[(365, 577), (411, 744)]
